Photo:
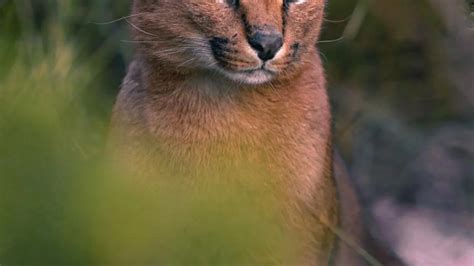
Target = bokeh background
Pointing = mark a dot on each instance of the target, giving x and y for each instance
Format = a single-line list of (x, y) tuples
[(401, 79)]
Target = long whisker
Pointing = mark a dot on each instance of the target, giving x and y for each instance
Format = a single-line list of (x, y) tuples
[(334, 40), (119, 19), (140, 30), (186, 62), (132, 41), (325, 58), (338, 21), (183, 44)]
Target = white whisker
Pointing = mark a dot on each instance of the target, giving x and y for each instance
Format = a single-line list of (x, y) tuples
[(186, 62), (120, 19), (330, 41), (137, 28)]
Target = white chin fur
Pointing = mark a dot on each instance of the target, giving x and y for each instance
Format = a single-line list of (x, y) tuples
[(256, 77)]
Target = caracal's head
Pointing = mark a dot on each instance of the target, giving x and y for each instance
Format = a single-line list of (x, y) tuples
[(247, 41)]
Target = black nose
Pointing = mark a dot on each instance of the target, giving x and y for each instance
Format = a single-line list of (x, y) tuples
[(266, 45)]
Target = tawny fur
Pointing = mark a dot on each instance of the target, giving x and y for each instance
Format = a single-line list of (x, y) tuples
[(182, 110)]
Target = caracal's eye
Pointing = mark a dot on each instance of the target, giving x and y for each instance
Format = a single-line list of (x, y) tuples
[(233, 3), (297, 2)]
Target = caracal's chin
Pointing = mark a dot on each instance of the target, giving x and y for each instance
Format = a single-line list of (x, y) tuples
[(250, 77)]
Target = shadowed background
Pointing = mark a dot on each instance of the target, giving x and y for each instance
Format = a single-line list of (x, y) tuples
[(401, 78)]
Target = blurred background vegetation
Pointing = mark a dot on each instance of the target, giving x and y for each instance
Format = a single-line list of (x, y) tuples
[(401, 78)]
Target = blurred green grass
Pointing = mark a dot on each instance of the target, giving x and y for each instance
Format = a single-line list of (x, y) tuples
[(61, 203)]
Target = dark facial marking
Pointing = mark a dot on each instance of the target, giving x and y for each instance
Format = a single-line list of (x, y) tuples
[(221, 51), (234, 3), (284, 12), (295, 48), (247, 26), (218, 45)]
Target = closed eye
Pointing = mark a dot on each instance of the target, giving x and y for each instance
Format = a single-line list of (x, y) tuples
[(297, 2), (234, 3)]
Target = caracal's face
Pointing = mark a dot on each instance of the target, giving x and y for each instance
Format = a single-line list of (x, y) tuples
[(246, 41)]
